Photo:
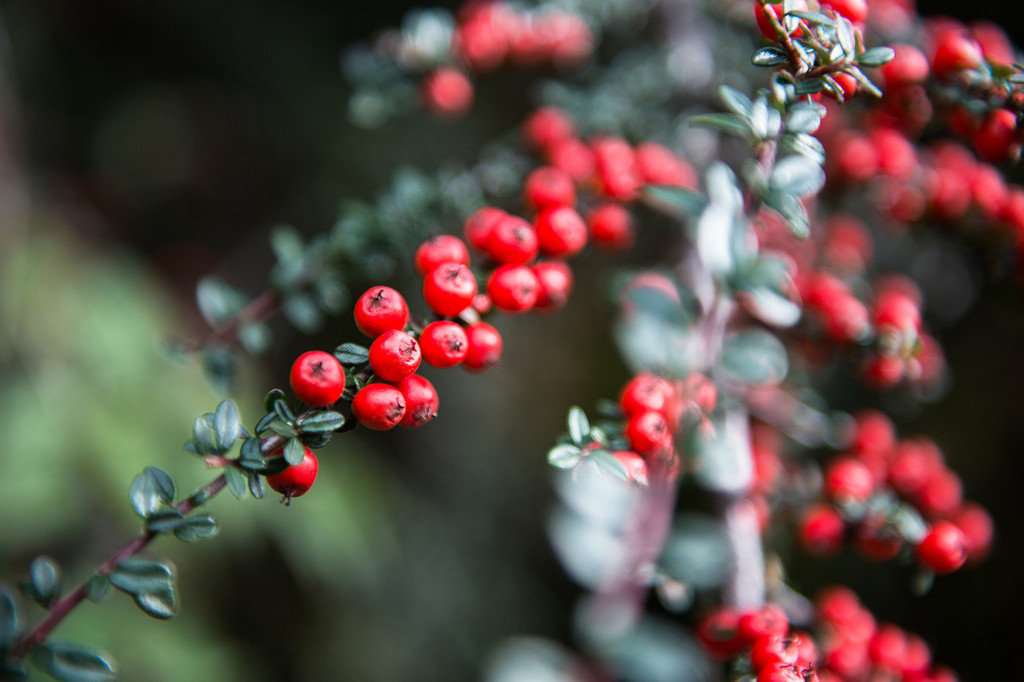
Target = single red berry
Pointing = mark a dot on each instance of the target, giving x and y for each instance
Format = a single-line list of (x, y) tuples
[(478, 226), (894, 309), (847, 85), (444, 248), (513, 288), (773, 649), (646, 391), (549, 186), (941, 494), (556, 281), (481, 42), (574, 157), (764, 24), (916, 658), (943, 549), (449, 288), (976, 524), (511, 240), (380, 309), (317, 378), (447, 92), (394, 355), (877, 542), (855, 157), (883, 372), (636, 466), (848, 480), (908, 66), (717, 633), (378, 406), (770, 619), (618, 173), (443, 343), (897, 156), (295, 481), (611, 227), (854, 10), (485, 347), (571, 39), (420, 400), (561, 231), (912, 465), (994, 43), (658, 165), (954, 51), (998, 138), (648, 433), (874, 432), (821, 530), (888, 647), (781, 672), (547, 126)]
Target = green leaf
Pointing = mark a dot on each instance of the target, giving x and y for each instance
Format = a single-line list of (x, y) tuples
[(735, 101), (564, 456), (814, 18), (579, 425), (810, 86), (256, 486), (765, 285), (797, 175), (286, 243), (263, 425), (697, 553), (283, 411), (805, 145), (352, 354), (97, 587), (217, 301), (162, 604), (876, 56), (686, 202), (236, 481), (197, 527), (136, 575), (45, 577), (150, 491), (10, 620), (792, 210), (721, 455), (294, 451), (226, 425), (730, 124), (205, 435), (273, 395), (254, 337), (717, 224), (606, 463), (754, 357), (804, 117), (164, 520), (770, 56), (74, 663), (321, 422)]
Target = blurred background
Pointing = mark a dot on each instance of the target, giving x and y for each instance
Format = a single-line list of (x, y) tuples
[(143, 145)]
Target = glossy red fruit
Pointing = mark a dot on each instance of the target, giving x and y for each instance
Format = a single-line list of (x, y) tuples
[(378, 406), (781, 672), (908, 66), (764, 24), (443, 343), (420, 400), (443, 248), (549, 186), (561, 231), (380, 309), (485, 347), (574, 157), (317, 378), (848, 480), (556, 280), (513, 288), (953, 52), (997, 138), (447, 92), (548, 126), (611, 227), (820, 531), (658, 165), (618, 173), (773, 649), (511, 240), (648, 433), (646, 391), (854, 10), (478, 226), (295, 481), (449, 289), (888, 647), (717, 633), (635, 465), (769, 620), (943, 549), (976, 524), (394, 355)]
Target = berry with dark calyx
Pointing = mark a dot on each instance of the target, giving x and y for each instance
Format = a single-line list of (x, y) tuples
[(378, 406), (770, 619), (394, 355), (556, 281), (478, 225), (611, 227), (717, 633), (561, 231), (295, 481), (943, 549), (485, 347), (420, 400), (449, 289), (648, 433), (512, 240), (781, 672), (443, 343), (513, 288), (773, 649), (646, 391), (380, 309), (317, 378), (549, 186), (444, 248)]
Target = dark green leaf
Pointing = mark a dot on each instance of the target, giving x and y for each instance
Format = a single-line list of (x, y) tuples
[(730, 124), (251, 455), (766, 287), (697, 553), (797, 175), (282, 429), (284, 411), (44, 574), (606, 463), (810, 86), (686, 202), (792, 210), (806, 145), (816, 18), (876, 56), (148, 494), (197, 527), (755, 357), (164, 520), (735, 101), (236, 481), (256, 486), (10, 620), (161, 604), (579, 425), (352, 354), (804, 117), (273, 395), (205, 435), (226, 425), (136, 575), (318, 440), (97, 587), (294, 451), (219, 364), (263, 425), (161, 483), (564, 456), (74, 663), (770, 56), (286, 243), (321, 422)]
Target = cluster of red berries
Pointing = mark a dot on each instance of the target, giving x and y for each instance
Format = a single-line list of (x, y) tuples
[(912, 470), (846, 644)]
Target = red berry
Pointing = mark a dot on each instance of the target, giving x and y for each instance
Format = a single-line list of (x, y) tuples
[(449, 289), (646, 391), (549, 186), (561, 231), (394, 355), (513, 288), (821, 530), (295, 481), (908, 66), (780, 672), (854, 10), (658, 165), (953, 52), (717, 633), (481, 41), (547, 126), (874, 433), (976, 525), (317, 378), (648, 433), (378, 406), (994, 42), (997, 138), (511, 240), (888, 647), (913, 464), (848, 480), (574, 157), (380, 309), (943, 549), (485, 347), (617, 170), (941, 494), (611, 227), (478, 226), (447, 92), (773, 649), (764, 24), (555, 280), (420, 400), (883, 371), (770, 619), (636, 466), (444, 248), (443, 343)]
